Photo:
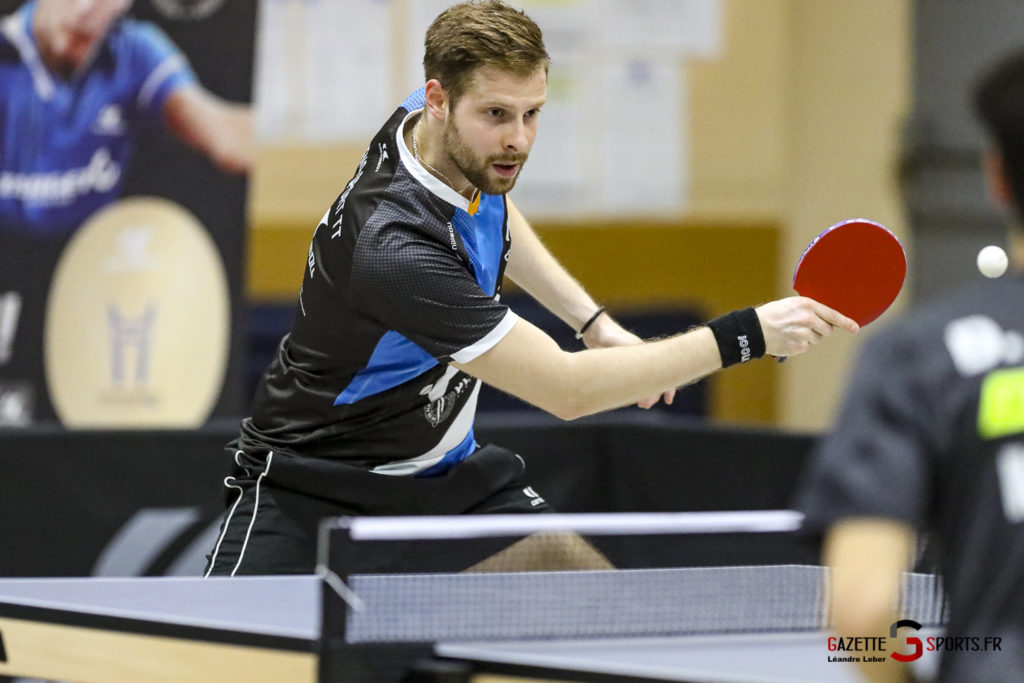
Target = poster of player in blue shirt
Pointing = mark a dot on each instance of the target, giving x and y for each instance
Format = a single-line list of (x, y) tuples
[(96, 102)]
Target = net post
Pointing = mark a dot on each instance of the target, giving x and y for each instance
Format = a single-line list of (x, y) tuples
[(340, 661), (334, 544)]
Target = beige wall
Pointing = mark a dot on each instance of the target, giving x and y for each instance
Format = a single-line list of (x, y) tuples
[(849, 85), (793, 127), (739, 115)]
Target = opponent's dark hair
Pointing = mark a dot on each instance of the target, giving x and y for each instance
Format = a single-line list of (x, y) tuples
[(999, 103)]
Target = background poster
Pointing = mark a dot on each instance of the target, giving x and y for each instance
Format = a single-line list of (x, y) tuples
[(217, 37)]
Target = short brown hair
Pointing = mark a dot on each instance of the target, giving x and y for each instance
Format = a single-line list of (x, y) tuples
[(470, 35)]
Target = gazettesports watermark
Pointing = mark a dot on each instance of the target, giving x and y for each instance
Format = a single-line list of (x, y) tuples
[(879, 649)]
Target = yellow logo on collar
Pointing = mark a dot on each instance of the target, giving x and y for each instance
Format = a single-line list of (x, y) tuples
[(474, 205)]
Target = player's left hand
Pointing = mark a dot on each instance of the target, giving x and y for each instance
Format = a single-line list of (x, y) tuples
[(605, 332)]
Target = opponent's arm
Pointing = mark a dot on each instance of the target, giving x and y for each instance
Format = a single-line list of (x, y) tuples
[(529, 365), (534, 268), (219, 129), (867, 557)]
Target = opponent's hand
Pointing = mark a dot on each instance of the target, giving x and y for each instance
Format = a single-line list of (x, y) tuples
[(605, 332), (793, 325)]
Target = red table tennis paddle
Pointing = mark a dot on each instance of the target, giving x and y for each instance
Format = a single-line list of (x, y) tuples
[(856, 267)]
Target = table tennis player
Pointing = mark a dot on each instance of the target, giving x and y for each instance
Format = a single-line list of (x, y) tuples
[(930, 442), (368, 406)]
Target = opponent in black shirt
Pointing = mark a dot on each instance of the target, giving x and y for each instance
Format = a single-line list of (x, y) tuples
[(368, 407), (931, 440)]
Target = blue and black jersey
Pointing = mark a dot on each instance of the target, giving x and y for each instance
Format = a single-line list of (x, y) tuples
[(403, 276), (65, 143)]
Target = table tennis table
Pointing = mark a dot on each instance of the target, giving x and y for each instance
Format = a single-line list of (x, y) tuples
[(269, 629), (160, 629), (733, 658)]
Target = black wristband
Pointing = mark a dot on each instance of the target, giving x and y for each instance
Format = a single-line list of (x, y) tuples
[(586, 325), (739, 336)]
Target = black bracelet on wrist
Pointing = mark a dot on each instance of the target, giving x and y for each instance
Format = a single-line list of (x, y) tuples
[(586, 325), (739, 336)]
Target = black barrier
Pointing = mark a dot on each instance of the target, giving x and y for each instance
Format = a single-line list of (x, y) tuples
[(639, 462), (147, 503), (65, 496)]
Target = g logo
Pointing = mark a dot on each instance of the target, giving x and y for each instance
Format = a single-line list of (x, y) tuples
[(911, 640)]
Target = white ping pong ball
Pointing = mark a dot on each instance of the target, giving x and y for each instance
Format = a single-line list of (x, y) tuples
[(992, 261)]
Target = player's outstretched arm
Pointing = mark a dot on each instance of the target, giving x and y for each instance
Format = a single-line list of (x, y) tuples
[(606, 332), (219, 129), (534, 268), (528, 364)]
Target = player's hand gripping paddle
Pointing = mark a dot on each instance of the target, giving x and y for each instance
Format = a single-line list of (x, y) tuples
[(856, 267)]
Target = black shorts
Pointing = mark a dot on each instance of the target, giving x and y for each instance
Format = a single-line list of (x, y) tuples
[(275, 506)]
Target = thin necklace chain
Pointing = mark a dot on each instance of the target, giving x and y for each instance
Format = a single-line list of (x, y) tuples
[(416, 153)]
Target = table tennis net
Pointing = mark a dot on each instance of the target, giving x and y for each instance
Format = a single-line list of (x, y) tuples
[(411, 607), (617, 603)]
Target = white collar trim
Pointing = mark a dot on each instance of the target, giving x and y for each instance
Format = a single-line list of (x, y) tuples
[(425, 177), (13, 27)]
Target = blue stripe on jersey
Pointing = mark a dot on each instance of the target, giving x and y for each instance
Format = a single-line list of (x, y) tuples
[(395, 360), (481, 235), (416, 100), (452, 457)]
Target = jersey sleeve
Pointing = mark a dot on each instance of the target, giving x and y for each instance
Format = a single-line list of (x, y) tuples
[(158, 66), (424, 291), (878, 459)]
